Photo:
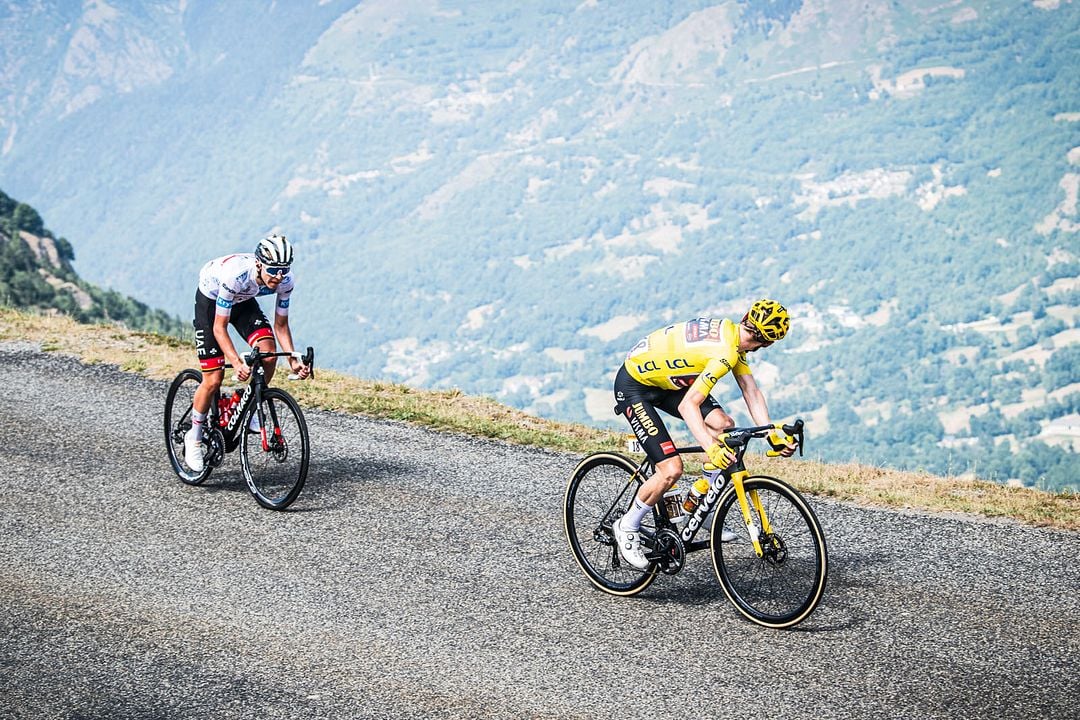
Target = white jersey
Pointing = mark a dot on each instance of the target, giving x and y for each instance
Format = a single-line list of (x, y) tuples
[(233, 279)]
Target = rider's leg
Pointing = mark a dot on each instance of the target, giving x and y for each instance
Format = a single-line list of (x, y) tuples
[(200, 406), (211, 359), (205, 393), (250, 321), (627, 528), (667, 474), (264, 343), (638, 404), (717, 422)]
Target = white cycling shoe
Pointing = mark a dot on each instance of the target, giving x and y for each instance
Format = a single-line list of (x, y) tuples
[(728, 535), (193, 451), (630, 546)]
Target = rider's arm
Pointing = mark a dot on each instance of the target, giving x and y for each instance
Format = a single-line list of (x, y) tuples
[(221, 334), (284, 338), (283, 333), (755, 400), (690, 410), (755, 403)]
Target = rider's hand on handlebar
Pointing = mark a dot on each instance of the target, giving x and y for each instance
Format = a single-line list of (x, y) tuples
[(243, 371), (781, 444), (720, 455), (299, 369)]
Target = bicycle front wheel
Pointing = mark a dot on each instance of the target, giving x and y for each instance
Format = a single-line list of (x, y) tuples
[(599, 492), (178, 421), (782, 587), (275, 459)]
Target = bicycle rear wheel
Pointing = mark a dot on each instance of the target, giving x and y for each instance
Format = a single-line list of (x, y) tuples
[(275, 459), (178, 421), (781, 588), (598, 493)]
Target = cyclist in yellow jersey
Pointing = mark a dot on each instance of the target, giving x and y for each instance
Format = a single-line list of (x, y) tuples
[(675, 369)]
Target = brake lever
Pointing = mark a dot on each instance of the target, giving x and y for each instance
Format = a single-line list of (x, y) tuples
[(799, 435), (308, 359), (795, 431), (248, 359)]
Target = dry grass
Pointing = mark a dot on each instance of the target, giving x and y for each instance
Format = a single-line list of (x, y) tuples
[(161, 357)]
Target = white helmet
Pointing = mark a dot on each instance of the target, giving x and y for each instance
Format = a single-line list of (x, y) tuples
[(275, 251)]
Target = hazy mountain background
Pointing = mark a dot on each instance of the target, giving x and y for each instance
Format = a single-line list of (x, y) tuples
[(504, 197)]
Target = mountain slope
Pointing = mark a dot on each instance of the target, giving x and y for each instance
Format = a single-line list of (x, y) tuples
[(36, 274), (504, 199)]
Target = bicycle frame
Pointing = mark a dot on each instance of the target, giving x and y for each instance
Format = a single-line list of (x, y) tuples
[(253, 391), (252, 394), (737, 441)]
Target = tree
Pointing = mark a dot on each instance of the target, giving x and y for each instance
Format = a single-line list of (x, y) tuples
[(26, 218)]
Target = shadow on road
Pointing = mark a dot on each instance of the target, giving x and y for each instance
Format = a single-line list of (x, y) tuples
[(844, 606), (329, 481)]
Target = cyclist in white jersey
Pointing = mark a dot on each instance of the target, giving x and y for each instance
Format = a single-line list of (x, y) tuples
[(227, 290)]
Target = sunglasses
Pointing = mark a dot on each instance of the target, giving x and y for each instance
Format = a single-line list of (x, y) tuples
[(276, 271)]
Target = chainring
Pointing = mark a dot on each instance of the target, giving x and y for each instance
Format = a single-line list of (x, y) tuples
[(216, 443), (671, 551)]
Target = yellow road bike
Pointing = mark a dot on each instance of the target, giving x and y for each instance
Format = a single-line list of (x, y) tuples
[(775, 570)]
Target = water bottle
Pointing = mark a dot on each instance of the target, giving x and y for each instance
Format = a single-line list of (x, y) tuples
[(224, 410), (697, 491), (674, 506), (712, 473), (226, 406)]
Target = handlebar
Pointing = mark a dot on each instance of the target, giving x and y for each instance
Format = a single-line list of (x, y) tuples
[(738, 438), (308, 358), (255, 355), (795, 431), (741, 436)]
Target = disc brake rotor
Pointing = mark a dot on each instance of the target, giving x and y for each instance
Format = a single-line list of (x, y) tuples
[(774, 551)]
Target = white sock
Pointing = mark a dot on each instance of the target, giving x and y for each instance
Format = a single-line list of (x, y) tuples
[(632, 519), (198, 419)]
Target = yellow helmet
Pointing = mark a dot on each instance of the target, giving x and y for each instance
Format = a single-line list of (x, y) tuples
[(769, 318)]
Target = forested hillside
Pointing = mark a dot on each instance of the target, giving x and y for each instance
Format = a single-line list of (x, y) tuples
[(504, 198), (36, 273)]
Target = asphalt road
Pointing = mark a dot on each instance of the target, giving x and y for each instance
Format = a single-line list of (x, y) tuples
[(426, 575)]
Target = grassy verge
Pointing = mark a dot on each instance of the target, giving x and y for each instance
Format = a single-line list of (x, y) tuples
[(161, 357)]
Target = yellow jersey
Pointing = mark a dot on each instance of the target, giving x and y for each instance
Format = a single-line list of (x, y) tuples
[(693, 354)]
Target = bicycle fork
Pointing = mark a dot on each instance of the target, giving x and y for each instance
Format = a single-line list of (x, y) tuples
[(746, 499)]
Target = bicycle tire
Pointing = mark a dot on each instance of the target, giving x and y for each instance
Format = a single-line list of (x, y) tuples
[(178, 421), (599, 491), (782, 588), (272, 479)]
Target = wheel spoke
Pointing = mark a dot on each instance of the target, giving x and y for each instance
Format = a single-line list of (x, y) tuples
[(598, 493), (178, 408), (275, 459), (783, 586)]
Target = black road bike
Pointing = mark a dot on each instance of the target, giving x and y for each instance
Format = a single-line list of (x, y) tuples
[(774, 572), (274, 458)]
